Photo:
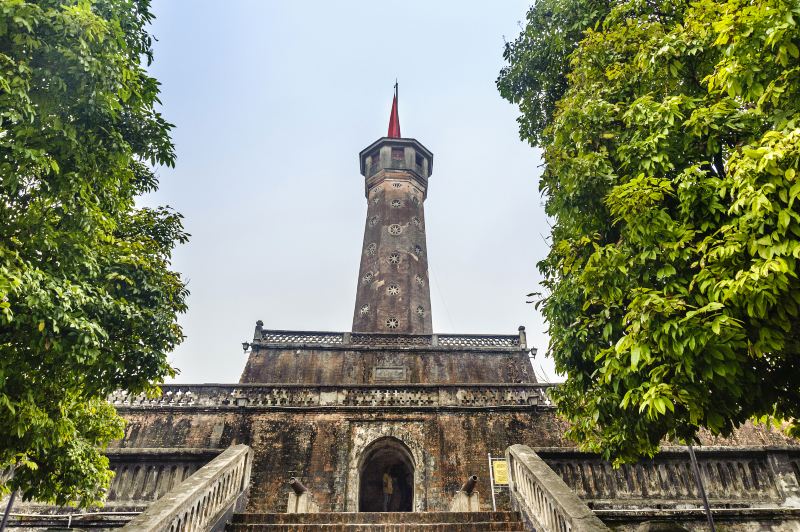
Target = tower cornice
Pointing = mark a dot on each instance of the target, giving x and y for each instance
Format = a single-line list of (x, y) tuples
[(396, 142)]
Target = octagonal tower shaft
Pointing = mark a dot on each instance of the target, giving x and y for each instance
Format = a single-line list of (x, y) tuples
[(393, 294)]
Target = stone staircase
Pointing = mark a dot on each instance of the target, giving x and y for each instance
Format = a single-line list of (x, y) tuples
[(383, 521)]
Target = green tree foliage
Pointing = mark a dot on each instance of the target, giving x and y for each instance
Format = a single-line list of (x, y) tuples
[(88, 303), (671, 174), (536, 75)]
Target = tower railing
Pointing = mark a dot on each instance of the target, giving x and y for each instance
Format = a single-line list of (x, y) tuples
[(497, 342)]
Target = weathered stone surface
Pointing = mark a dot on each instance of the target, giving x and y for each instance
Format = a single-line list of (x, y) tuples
[(393, 294), (62, 522), (383, 521), (323, 449), (377, 517), (329, 366), (733, 476), (361, 363), (463, 502), (143, 475), (694, 520), (356, 397), (542, 497), (360, 527), (301, 504), (205, 501)]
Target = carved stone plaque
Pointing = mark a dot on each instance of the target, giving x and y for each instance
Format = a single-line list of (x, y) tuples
[(390, 374)]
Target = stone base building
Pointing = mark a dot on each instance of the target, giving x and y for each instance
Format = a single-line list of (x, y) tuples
[(342, 411), (369, 403)]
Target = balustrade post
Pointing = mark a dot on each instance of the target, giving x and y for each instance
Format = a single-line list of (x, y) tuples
[(785, 477), (205, 499), (541, 496), (467, 499)]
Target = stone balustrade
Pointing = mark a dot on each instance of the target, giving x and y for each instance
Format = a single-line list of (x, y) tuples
[(479, 341), (491, 342), (277, 396), (546, 503), (753, 485), (203, 501), (764, 476), (143, 475), (301, 337)]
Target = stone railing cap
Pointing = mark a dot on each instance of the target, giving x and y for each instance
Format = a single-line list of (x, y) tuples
[(439, 341), (579, 515), (159, 514)]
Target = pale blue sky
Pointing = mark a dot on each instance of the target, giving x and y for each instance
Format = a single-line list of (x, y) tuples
[(273, 100)]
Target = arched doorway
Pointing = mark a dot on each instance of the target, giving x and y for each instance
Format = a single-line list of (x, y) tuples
[(386, 455)]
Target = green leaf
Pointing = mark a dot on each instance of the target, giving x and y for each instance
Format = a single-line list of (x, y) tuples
[(784, 219), (660, 405)]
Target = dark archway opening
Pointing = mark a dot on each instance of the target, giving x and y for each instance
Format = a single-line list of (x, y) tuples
[(387, 455)]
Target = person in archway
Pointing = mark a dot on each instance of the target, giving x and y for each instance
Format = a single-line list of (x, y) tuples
[(388, 489)]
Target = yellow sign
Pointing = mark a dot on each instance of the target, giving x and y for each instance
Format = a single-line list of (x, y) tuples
[(500, 471)]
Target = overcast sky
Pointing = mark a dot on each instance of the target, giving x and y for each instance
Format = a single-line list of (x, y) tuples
[(273, 100)]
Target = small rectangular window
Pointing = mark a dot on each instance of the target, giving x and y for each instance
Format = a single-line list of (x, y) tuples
[(418, 160), (398, 154), (374, 162)]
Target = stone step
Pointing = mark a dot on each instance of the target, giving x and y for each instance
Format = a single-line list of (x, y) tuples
[(376, 517), (489, 526)]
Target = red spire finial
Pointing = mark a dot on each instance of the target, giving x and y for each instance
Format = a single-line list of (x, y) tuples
[(394, 118)]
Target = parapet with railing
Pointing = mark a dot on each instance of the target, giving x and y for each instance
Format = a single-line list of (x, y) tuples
[(264, 338), (205, 500), (338, 397)]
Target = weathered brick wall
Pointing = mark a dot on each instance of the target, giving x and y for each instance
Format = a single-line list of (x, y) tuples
[(323, 448), (341, 366)]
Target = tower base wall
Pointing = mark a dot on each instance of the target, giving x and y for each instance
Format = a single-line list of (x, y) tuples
[(327, 450), (330, 450)]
